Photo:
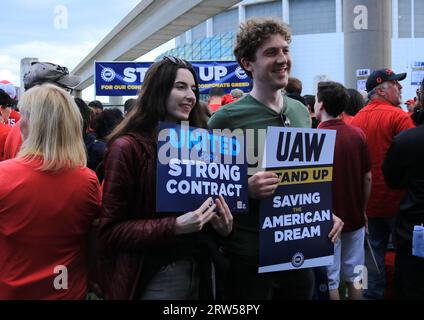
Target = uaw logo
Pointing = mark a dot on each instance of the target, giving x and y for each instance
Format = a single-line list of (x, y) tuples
[(297, 259), (240, 73), (108, 74), (323, 287)]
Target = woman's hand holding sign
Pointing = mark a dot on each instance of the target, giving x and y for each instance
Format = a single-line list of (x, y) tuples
[(194, 221), (222, 221), (262, 184)]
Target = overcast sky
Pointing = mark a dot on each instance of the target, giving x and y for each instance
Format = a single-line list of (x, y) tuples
[(63, 32)]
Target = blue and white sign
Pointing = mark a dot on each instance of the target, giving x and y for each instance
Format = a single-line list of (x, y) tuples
[(225, 74), (417, 72), (125, 78), (296, 220), (361, 79), (194, 164), (119, 78)]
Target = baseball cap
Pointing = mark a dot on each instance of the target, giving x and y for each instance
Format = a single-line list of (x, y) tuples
[(41, 72), (410, 101), (9, 88), (382, 75)]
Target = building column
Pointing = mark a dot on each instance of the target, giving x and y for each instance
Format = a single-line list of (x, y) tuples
[(286, 11), (241, 13), (412, 19), (77, 94), (209, 28), (188, 36), (395, 19), (367, 36), (339, 16)]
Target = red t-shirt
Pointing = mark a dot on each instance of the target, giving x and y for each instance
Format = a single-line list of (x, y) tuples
[(227, 98), (381, 122), (44, 221), (13, 117), (13, 143), (351, 163), (214, 106), (4, 131), (347, 118)]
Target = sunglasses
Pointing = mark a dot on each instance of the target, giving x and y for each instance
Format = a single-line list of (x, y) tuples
[(176, 61)]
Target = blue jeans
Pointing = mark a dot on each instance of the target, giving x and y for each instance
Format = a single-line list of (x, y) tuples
[(379, 233)]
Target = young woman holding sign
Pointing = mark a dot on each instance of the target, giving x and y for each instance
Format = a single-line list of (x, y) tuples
[(144, 254)]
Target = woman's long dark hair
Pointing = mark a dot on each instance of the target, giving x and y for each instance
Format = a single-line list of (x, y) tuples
[(150, 107)]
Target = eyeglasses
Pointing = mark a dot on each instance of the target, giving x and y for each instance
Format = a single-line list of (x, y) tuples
[(177, 61), (395, 82)]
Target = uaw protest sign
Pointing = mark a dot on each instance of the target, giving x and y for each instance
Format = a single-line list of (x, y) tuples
[(125, 78), (195, 163), (296, 220)]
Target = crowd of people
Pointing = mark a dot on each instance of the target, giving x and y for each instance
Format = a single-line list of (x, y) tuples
[(78, 184)]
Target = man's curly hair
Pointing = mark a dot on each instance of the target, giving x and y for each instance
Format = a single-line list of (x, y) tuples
[(253, 33)]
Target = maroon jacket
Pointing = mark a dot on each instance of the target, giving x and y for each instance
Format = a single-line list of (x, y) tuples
[(128, 227)]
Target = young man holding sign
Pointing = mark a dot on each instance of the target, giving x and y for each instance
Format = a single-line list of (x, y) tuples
[(262, 50), (351, 188)]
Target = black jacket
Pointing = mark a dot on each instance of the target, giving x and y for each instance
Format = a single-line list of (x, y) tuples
[(403, 167), (95, 152)]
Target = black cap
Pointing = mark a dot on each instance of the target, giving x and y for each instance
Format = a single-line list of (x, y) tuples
[(382, 75)]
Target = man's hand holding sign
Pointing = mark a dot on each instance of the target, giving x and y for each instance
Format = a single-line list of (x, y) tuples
[(262, 184), (337, 229)]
